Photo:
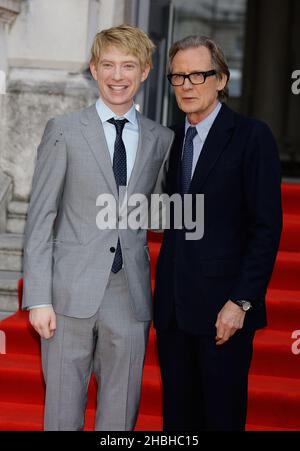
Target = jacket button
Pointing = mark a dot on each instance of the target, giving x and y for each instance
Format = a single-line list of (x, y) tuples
[(112, 250)]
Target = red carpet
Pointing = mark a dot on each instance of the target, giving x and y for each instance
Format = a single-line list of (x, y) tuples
[(274, 386)]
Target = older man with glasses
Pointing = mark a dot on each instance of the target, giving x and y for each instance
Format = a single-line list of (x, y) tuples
[(210, 293)]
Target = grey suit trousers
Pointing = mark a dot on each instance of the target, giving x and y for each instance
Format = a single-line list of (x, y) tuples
[(111, 344)]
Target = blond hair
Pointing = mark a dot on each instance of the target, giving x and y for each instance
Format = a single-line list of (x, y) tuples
[(217, 57), (131, 39)]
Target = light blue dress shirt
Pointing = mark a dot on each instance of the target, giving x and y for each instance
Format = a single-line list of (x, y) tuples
[(130, 133), (203, 128), (130, 137)]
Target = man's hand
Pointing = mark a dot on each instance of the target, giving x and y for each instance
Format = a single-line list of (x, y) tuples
[(43, 320), (229, 320)]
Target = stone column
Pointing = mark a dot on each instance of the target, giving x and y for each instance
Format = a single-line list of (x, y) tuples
[(47, 56), (9, 9)]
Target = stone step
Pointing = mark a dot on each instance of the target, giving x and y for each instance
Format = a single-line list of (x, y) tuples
[(9, 291), (16, 216), (11, 251)]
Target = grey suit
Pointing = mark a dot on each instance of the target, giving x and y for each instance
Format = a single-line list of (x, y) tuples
[(67, 259)]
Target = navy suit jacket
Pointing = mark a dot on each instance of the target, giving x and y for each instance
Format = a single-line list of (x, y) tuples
[(238, 172)]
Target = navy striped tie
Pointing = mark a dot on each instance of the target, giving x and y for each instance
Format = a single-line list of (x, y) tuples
[(120, 172), (187, 159)]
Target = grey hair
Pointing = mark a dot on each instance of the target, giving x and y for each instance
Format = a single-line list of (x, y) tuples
[(217, 56)]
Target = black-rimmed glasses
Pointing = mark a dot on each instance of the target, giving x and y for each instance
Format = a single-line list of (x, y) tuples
[(196, 78)]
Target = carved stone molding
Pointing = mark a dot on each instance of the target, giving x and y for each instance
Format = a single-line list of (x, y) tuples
[(9, 9)]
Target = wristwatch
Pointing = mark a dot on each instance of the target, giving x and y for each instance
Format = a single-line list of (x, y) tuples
[(243, 304)]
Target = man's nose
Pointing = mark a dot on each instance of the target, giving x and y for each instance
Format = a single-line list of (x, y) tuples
[(187, 84), (117, 73)]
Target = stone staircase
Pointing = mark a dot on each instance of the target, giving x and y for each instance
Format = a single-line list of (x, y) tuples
[(13, 216)]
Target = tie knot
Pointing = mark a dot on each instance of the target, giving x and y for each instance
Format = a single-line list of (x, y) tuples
[(190, 134), (119, 124)]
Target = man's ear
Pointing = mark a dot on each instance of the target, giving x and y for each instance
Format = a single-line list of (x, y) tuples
[(93, 71), (145, 73), (222, 82)]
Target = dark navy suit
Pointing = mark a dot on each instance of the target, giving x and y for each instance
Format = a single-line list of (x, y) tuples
[(238, 172)]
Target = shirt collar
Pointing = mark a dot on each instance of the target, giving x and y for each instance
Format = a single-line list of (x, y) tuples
[(105, 113), (204, 126)]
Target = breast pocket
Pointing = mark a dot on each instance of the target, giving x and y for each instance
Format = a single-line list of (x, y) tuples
[(153, 164), (225, 167)]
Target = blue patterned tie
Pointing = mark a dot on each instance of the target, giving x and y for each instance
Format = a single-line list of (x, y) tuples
[(187, 159), (120, 172)]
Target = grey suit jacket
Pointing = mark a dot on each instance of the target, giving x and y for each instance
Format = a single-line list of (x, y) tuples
[(67, 259)]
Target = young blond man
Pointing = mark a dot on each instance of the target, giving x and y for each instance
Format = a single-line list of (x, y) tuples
[(88, 290)]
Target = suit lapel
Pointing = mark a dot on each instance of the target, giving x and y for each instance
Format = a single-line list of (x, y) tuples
[(176, 156), (145, 145), (93, 132), (215, 143)]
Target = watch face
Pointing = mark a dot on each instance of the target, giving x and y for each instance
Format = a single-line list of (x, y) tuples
[(246, 306)]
